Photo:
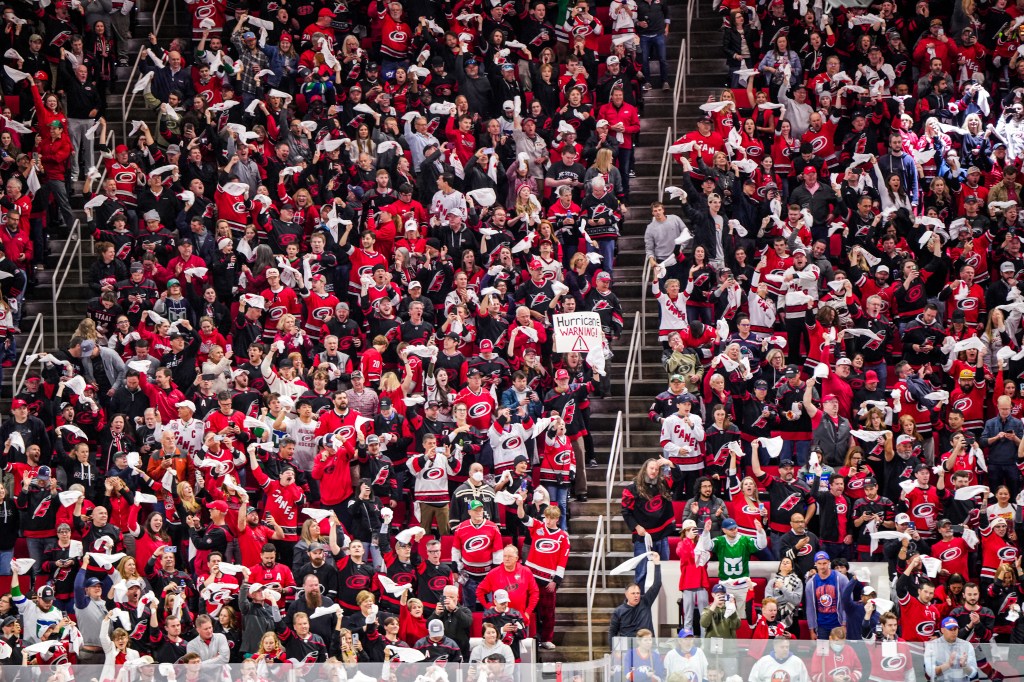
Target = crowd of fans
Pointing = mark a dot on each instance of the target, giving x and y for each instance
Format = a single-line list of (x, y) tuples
[(840, 313), (313, 412)]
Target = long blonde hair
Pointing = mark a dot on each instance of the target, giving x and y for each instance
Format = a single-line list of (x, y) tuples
[(603, 161), (191, 506)]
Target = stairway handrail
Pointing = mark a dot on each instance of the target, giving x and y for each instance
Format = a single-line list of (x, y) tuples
[(597, 568), (632, 362), (128, 96), (644, 279), (72, 250), (666, 162), (679, 89), (33, 342), (614, 463)]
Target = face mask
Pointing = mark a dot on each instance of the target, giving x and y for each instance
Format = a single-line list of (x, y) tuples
[(538, 497), (837, 647), (477, 476)]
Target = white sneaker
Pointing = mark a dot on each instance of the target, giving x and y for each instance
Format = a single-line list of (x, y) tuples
[(547, 646)]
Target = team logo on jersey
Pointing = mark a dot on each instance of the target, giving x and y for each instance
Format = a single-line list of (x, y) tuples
[(477, 543), (824, 599), (967, 304), (538, 300), (512, 443), (951, 554), (124, 177), (382, 475), (357, 581), (42, 510), (923, 510), (1007, 554), (569, 411), (398, 36), (780, 676), (479, 410), (437, 583), (562, 458), (433, 473), (204, 12), (962, 404), (654, 504), (892, 663), (818, 143), (790, 502), (925, 628), (546, 546), (238, 207)]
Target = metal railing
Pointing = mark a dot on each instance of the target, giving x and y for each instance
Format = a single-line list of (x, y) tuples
[(615, 463), (666, 163), (634, 368), (31, 346), (72, 252), (128, 96), (679, 89), (597, 569), (645, 278)]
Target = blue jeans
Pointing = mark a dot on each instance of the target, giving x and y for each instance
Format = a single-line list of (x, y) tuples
[(625, 160), (798, 451), (59, 194), (5, 562), (640, 572), (469, 595), (881, 369), (559, 495), (37, 550), (605, 247), (653, 47)]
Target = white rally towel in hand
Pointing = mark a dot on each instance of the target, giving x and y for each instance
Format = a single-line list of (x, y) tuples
[(505, 497), (317, 515), (559, 288), (821, 371), (970, 537), (868, 435), (681, 148), (777, 340), (22, 566), (738, 228), (797, 298), (196, 272), (676, 193), (877, 536), (865, 333), (404, 654), (484, 196), (41, 647), (722, 330), (76, 384), (908, 485), (969, 491), (938, 396), (746, 166), (772, 445), (413, 400), (967, 344), (322, 611), (882, 605), (230, 569), (711, 107), (391, 587), (122, 617), (932, 566), (145, 498), (628, 565), (106, 560), (924, 155), (71, 428), (407, 535), (388, 145), (15, 75), (141, 84)]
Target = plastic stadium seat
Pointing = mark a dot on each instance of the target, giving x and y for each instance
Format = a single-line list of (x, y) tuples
[(679, 507)]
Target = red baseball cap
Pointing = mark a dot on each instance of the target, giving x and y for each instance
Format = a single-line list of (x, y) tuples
[(870, 375), (535, 264), (219, 505), (486, 346), (828, 397), (561, 374), (18, 402), (121, 148)]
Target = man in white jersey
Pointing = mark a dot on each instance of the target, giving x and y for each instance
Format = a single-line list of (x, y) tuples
[(188, 431), (302, 429)]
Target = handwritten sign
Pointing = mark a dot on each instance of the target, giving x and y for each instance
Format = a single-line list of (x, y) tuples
[(579, 332)]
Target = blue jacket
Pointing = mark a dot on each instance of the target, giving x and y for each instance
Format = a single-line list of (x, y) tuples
[(279, 64), (534, 408), (855, 621)]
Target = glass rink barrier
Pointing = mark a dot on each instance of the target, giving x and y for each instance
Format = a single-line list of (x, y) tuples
[(251, 670), (710, 659)]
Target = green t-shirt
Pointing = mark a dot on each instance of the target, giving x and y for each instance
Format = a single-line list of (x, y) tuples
[(733, 559)]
